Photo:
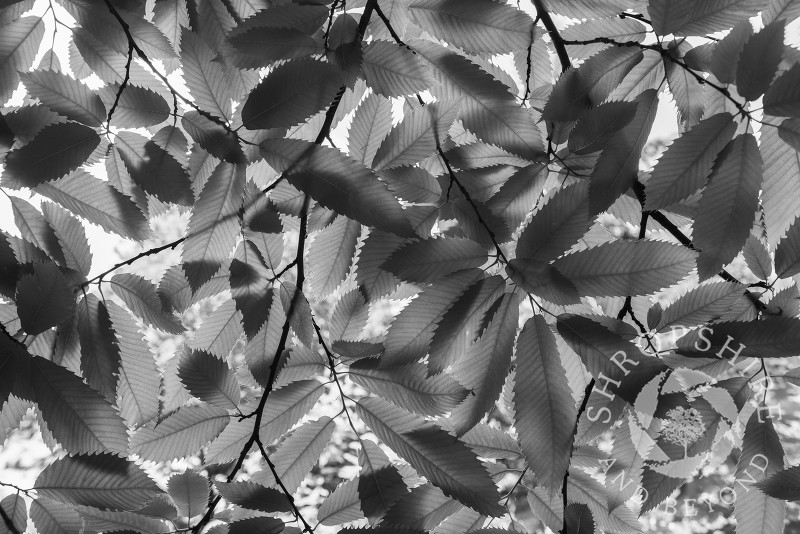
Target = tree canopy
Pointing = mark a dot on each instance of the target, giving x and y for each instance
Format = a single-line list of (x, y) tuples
[(441, 231)]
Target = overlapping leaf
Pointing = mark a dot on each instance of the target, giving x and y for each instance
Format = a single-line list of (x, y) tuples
[(437, 455), (102, 481), (337, 182)]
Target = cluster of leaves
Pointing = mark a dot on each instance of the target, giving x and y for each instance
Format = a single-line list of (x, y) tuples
[(481, 217)]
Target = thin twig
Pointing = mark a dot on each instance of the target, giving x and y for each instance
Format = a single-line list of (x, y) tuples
[(296, 511), (129, 261)]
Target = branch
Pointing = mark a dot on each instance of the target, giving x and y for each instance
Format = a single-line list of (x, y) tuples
[(669, 57), (175, 94), (555, 36), (586, 393), (296, 511), (122, 87), (300, 279), (129, 261)]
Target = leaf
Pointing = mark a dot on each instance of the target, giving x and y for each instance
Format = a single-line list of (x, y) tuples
[(254, 496), (783, 484), (330, 255), (258, 46), (261, 351), (435, 454), (616, 168), (583, 489), (783, 96), (490, 442), (220, 331), (371, 122), (56, 150), (189, 491), (606, 353), (16, 510), (99, 353), (155, 170), (338, 183), (423, 508), (545, 409), (410, 388), (290, 94), (205, 78), (725, 54), (139, 295), (181, 434), (380, 485), (549, 509), (590, 84), (703, 304), (391, 70), (484, 367), (689, 18), (460, 325), (213, 137), (622, 268), (667, 16), (298, 454), (488, 108), (762, 456), (102, 481), (108, 521), (137, 390), (342, 505), (727, 208), (781, 173), (43, 298), (757, 257), (689, 98), (595, 128), (429, 260), (769, 338), (52, 516), (71, 236), (686, 164), (374, 281), (411, 332), (285, 407), (99, 203), (65, 96), (137, 106), (787, 253), (578, 519), (417, 137), (35, 228), (557, 225), (209, 379), (475, 26), (213, 226), (759, 59), (250, 287), (19, 44)]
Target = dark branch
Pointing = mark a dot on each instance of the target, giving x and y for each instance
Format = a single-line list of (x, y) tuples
[(296, 511), (122, 87), (129, 261), (586, 393), (555, 36)]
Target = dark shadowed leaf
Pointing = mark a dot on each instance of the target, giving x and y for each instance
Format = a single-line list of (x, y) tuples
[(44, 298), (338, 183), (56, 150), (103, 481)]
